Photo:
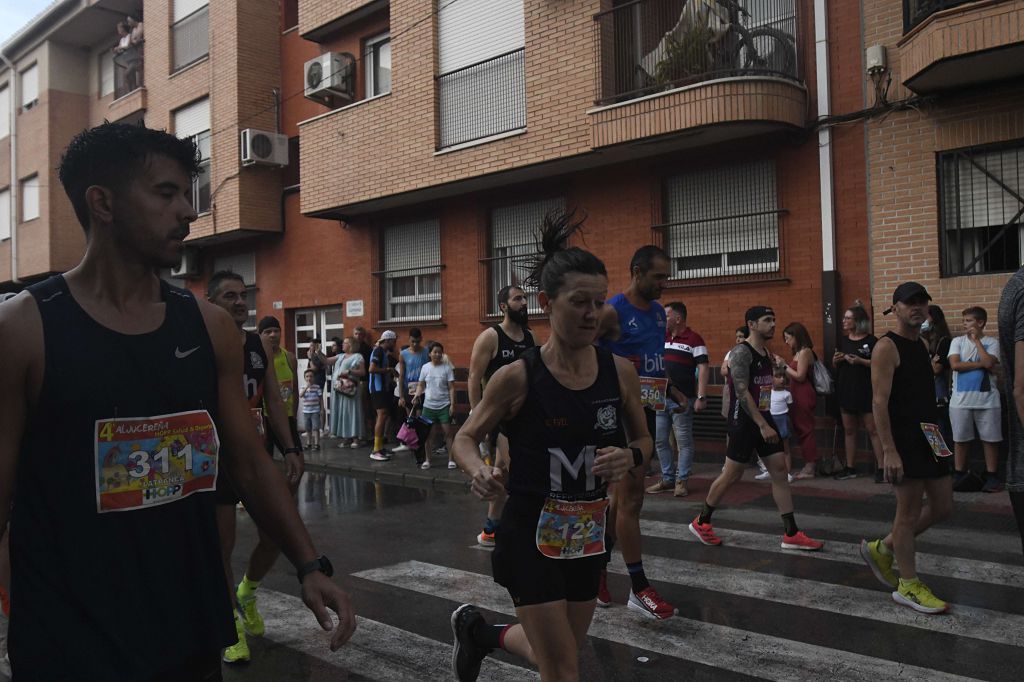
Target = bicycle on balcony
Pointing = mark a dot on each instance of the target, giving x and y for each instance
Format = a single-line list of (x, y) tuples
[(713, 38)]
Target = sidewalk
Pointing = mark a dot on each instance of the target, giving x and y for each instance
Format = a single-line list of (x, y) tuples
[(402, 470)]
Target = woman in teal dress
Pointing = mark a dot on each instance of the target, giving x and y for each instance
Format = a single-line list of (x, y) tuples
[(347, 421)]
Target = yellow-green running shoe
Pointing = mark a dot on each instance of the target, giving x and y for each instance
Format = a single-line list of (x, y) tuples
[(252, 621), (879, 563), (916, 595), (238, 652)]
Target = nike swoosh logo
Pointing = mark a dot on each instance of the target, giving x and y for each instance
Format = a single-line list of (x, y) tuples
[(179, 354)]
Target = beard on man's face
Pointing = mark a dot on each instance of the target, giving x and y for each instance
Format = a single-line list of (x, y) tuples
[(520, 317)]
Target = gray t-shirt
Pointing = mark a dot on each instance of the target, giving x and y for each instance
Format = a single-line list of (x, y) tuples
[(1011, 331)]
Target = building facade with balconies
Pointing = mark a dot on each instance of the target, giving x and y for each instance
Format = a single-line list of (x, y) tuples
[(946, 174)]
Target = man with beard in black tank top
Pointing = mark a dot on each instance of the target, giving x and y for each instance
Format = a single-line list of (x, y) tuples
[(915, 456), (227, 290), (496, 347), (575, 423), (116, 564)]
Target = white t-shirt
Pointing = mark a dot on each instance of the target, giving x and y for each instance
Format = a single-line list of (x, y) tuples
[(781, 400), (437, 379), (977, 388)]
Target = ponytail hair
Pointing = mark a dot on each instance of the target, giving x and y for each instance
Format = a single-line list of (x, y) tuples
[(556, 259)]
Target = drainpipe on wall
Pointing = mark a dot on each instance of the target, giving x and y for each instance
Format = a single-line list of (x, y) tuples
[(829, 274), (13, 134)]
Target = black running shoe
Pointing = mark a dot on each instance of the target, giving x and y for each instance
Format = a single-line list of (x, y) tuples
[(846, 474), (467, 654)]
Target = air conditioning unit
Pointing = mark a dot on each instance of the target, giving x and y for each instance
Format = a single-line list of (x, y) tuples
[(189, 265), (331, 78), (259, 146)]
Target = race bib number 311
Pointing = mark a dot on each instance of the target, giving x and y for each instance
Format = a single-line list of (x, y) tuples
[(146, 461)]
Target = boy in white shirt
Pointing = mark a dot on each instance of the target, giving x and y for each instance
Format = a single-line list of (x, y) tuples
[(779, 407), (436, 392), (974, 358)]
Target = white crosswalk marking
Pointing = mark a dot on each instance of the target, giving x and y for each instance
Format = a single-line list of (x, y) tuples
[(963, 621), (376, 650), (928, 564), (719, 646)]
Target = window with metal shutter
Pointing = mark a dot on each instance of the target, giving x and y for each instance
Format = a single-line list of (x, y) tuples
[(29, 85), (514, 234)]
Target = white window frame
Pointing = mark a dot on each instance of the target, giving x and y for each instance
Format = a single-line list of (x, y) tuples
[(105, 61), (5, 213), (185, 11), (186, 127), (420, 260), (29, 80), (371, 52), (30, 198), (715, 212)]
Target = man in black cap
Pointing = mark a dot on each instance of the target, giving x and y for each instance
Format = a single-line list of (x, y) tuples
[(752, 433), (915, 456)]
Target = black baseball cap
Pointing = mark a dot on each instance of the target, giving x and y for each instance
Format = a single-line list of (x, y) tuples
[(757, 312), (268, 322), (907, 291)]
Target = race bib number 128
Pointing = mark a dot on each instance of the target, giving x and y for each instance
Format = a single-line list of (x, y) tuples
[(146, 461)]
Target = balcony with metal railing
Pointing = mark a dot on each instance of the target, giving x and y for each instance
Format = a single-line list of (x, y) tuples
[(951, 44), (664, 66)]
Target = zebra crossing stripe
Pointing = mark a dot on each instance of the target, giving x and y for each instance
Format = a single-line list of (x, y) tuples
[(718, 646), (988, 572), (877, 605), (376, 650)]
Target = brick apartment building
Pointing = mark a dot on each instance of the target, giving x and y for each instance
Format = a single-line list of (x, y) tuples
[(418, 166)]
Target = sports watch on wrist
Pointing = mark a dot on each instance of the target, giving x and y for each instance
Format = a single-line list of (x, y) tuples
[(638, 456), (321, 563)]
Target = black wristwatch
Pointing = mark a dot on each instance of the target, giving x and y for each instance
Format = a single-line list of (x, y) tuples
[(321, 563), (294, 450), (638, 456)]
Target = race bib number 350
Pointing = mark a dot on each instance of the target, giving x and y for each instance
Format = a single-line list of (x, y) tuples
[(571, 530), (652, 392), (146, 461)]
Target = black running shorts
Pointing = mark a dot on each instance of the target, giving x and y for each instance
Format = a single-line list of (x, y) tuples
[(745, 442), (918, 459), (382, 400), (529, 576)]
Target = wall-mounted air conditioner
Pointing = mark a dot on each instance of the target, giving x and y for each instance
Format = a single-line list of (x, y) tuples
[(331, 78), (189, 265), (259, 146)]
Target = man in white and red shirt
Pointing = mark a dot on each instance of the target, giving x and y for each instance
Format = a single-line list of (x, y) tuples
[(686, 365)]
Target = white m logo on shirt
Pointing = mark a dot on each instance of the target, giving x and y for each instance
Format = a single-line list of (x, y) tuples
[(560, 463)]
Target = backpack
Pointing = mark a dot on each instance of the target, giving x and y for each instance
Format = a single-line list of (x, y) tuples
[(822, 380)]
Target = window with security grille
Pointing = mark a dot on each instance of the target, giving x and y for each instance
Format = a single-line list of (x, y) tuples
[(981, 200), (411, 274), (722, 222), (190, 32), (193, 121), (514, 232)]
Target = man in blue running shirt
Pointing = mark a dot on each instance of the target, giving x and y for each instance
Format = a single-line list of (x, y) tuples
[(633, 326)]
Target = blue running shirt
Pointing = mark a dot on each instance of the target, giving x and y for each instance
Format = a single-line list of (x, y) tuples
[(641, 336)]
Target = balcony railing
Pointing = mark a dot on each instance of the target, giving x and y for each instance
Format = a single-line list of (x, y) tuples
[(647, 46), (916, 11), (128, 71), (483, 99)]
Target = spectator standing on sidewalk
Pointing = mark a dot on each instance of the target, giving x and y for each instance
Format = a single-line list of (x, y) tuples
[(363, 345), (381, 383), (1011, 341), (852, 361), (435, 391), (938, 338), (686, 365), (317, 362), (347, 420), (410, 360), (798, 372), (974, 358), (312, 399)]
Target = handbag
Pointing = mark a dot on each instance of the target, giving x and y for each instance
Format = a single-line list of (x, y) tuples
[(822, 380), (345, 387)]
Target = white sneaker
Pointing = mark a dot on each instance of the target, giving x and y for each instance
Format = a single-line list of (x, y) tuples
[(401, 448), (763, 476), (792, 478), (452, 465), (441, 451), (425, 465)]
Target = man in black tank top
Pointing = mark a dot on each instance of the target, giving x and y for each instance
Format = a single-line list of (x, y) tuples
[(227, 290), (916, 458), (494, 348), (752, 433), (130, 471)]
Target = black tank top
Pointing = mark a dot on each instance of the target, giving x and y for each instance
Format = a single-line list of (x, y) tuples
[(123, 595), (255, 369), (759, 386), (553, 438), (912, 399), (508, 350)]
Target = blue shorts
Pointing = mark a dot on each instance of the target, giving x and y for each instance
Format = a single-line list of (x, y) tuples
[(782, 425)]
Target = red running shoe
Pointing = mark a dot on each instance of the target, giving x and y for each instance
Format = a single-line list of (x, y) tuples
[(801, 541), (704, 532), (604, 597), (650, 603)]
